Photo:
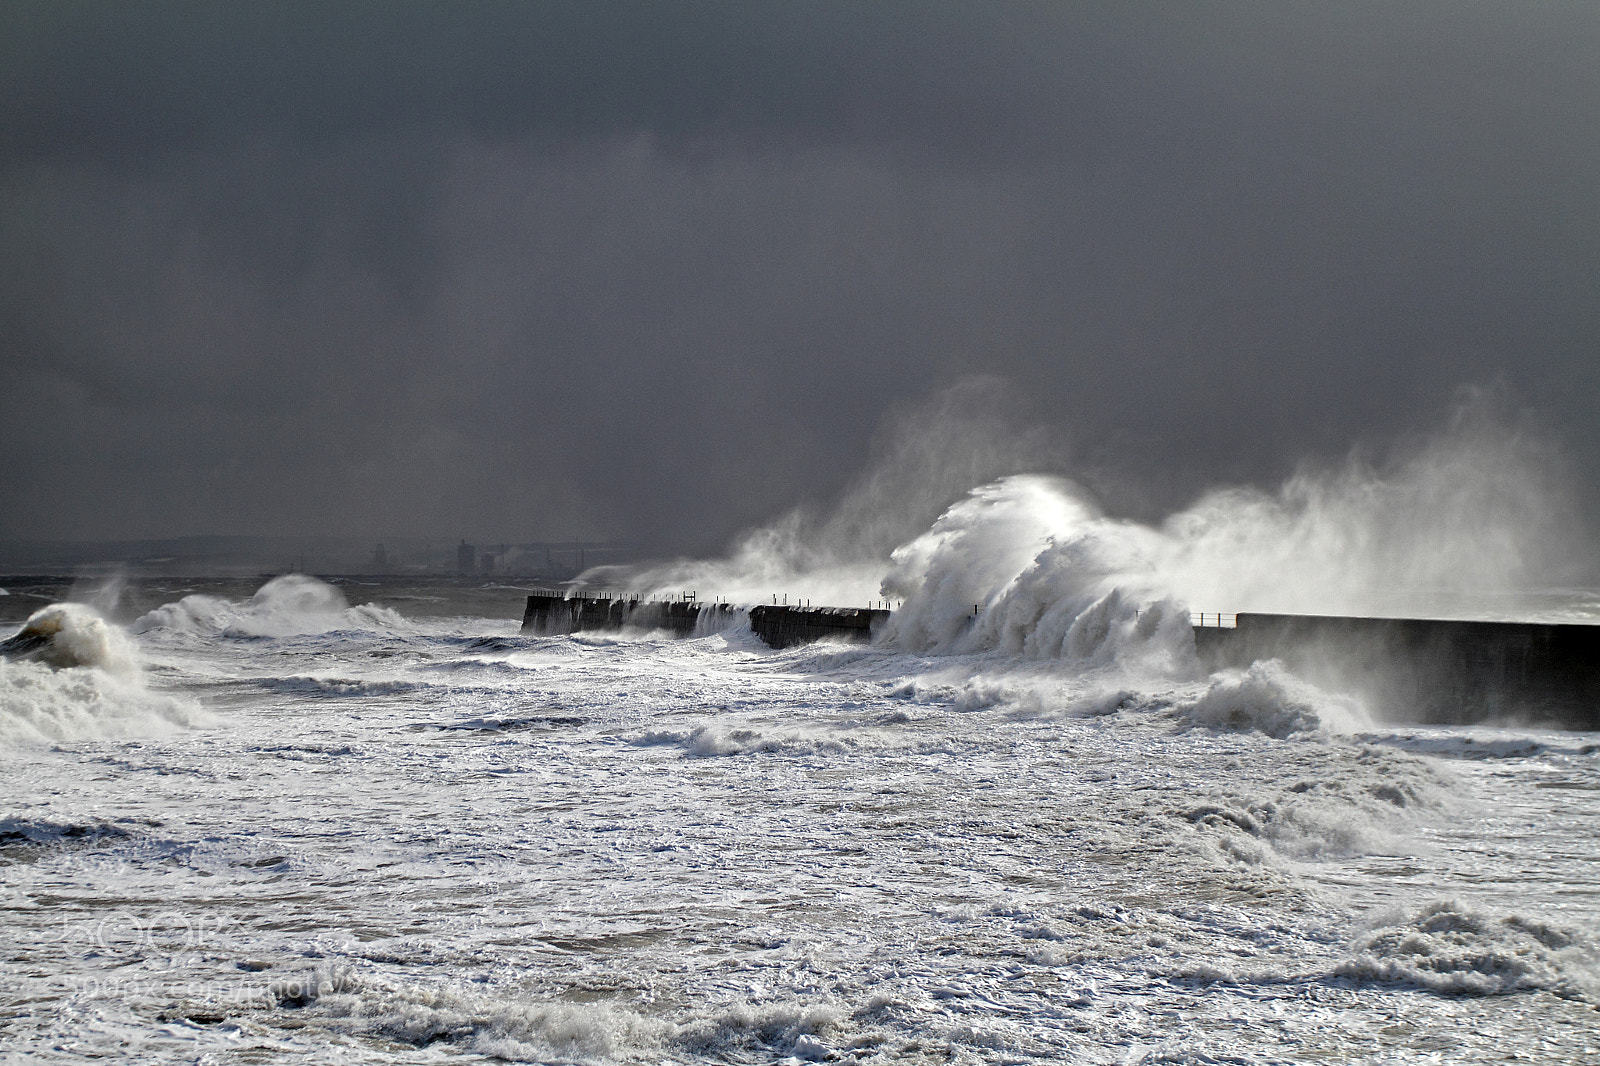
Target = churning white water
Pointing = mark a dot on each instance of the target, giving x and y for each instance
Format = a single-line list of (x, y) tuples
[(302, 828), (378, 823)]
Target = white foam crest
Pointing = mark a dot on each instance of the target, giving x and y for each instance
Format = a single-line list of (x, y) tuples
[(65, 635), (1447, 947), (1268, 699), (808, 1031), (288, 605), (506, 1028), (1028, 566), (710, 739)]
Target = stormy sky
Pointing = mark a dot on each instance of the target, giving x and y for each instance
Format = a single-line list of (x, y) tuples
[(656, 271)]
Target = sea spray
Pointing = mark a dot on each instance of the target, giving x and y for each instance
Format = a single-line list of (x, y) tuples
[(923, 457), (1464, 522)]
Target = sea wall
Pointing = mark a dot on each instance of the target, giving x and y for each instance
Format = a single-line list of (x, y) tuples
[(1440, 672)]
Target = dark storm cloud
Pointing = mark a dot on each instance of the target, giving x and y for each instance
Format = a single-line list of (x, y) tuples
[(654, 270)]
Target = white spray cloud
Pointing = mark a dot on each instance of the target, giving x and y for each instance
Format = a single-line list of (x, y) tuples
[(924, 457), (1467, 522)]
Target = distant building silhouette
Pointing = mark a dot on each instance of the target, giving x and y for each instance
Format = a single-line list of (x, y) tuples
[(467, 558)]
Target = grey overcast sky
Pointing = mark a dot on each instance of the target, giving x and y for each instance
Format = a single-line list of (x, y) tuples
[(655, 271)]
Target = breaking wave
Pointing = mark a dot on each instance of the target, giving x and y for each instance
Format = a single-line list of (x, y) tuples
[(1462, 522), (1447, 947), (289, 605), (68, 675), (1268, 699), (65, 635), (518, 1029)]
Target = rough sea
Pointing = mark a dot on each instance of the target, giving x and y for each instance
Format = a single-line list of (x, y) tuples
[(290, 820)]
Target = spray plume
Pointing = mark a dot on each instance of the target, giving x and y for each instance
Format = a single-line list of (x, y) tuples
[(1470, 521)]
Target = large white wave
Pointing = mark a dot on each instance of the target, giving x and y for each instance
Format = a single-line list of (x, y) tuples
[(70, 675), (288, 605), (72, 634), (1027, 565), (1030, 564)]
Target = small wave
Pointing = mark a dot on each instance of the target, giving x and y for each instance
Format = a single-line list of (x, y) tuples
[(511, 725), (1485, 745), (505, 1028), (1268, 699), (339, 687), (1447, 947), (22, 840), (519, 1029), (480, 666), (497, 644), (707, 741)]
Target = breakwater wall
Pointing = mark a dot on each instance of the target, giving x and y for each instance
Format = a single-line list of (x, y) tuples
[(554, 613), (1439, 672), (780, 626)]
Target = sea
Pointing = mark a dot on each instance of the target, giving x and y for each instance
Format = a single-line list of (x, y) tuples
[(369, 820)]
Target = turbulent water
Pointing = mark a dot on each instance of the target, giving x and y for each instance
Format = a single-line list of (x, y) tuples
[(250, 825)]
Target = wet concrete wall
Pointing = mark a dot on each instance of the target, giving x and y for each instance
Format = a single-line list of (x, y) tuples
[(785, 626)]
